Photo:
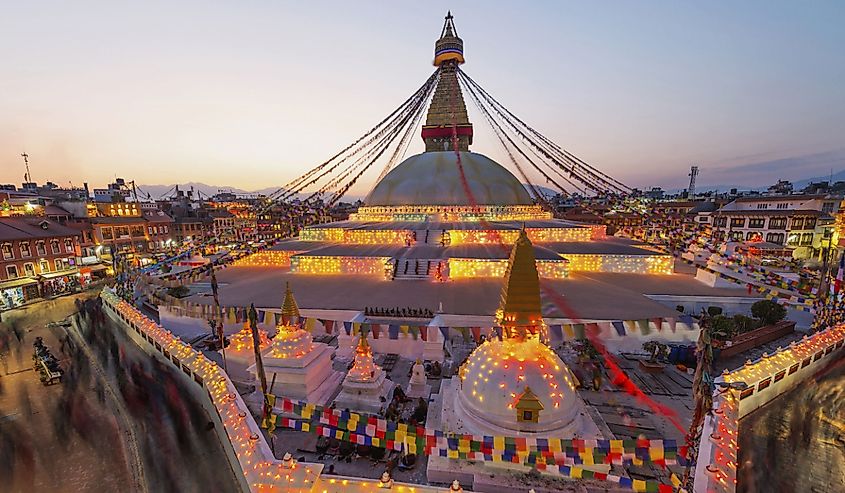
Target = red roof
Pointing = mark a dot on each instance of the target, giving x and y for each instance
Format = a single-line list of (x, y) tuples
[(25, 228)]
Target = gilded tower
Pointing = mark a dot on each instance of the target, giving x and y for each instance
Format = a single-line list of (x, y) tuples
[(447, 116), (520, 312)]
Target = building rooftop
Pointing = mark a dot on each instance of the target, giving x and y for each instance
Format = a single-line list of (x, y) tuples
[(24, 228)]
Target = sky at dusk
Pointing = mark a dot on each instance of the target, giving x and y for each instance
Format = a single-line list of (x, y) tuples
[(252, 94)]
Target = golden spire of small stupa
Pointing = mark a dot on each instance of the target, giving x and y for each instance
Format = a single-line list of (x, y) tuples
[(289, 306), (520, 313)]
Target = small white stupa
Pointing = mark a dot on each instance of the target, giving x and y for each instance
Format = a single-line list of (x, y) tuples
[(365, 383), (418, 385), (302, 368)]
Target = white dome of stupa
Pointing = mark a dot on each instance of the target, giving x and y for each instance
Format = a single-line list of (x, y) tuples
[(498, 373), (291, 342)]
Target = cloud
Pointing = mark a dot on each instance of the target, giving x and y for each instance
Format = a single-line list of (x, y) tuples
[(799, 167)]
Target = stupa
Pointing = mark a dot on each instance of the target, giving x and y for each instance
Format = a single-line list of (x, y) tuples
[(365, 383), (302, 369), (516, 383), (418, 385)]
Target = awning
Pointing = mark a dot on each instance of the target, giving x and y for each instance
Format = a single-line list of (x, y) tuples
[(88, 269), (54, 275), (16, 283)]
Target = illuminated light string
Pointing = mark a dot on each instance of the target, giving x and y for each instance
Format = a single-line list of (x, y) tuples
[(252, 451), (312, 264), (720, 463)]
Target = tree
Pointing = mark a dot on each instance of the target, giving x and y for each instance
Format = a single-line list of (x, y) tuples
[(768, 312), (714, 310), (722, 328)]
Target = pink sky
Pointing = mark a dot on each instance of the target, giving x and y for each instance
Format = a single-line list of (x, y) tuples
[(252, 94)]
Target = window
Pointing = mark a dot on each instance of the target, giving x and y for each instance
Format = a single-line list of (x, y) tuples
[(737, 222), (527, 416), (107, 234), (807, 239), (793, 239), (805, 363), (40, 248), (8, 252), (737, 236), (777, 223), (11, 271), (150, 229), (783, 205), (762, 206), (798, 223), (54, 246), (164, 229), (137, 231), (810, 223), (25, 251), (764, 383), (68, 245), (779, 375), (29, 269), (59, 264), (828, 207), (746, 393), (44, 266), (121, 232), (775, 238), (757, 222), (793, 368)]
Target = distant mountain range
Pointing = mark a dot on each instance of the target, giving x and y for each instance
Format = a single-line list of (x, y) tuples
[(160, 191)]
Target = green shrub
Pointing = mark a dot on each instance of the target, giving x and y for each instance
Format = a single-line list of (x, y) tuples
[(768, 312), (714, 310)]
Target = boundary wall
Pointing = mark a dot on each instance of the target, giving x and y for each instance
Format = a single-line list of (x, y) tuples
[(252, 460), (748, 388)]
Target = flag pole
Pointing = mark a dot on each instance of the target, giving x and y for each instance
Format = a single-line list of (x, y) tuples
[(217, 320)]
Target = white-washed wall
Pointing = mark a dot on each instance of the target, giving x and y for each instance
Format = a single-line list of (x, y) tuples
[(766, 378)]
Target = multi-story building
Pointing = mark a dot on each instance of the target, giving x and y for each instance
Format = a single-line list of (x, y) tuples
[(161, 231), (790, 220), (39, 258), (223, 225), (190, 228)]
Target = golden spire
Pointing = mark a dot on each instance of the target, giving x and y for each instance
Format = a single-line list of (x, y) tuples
[(289, 307), (447, 114), (520, 313), (363, 345)]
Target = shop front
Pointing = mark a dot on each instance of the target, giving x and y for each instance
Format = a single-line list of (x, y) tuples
[(62, 282), (16, 292)]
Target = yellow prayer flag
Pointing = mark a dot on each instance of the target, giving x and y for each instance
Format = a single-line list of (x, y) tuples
[(575, 472), (639, 485), (499, 443)]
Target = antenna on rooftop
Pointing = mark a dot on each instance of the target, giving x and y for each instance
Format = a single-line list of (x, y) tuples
[(27, 176), (693, 172)]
